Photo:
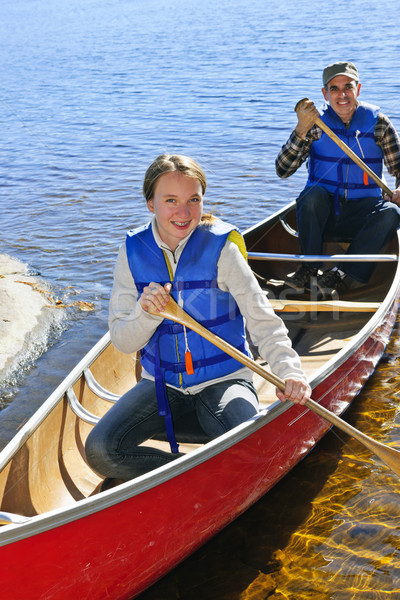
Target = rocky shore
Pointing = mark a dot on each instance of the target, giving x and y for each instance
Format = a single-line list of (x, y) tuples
[(23, 303)]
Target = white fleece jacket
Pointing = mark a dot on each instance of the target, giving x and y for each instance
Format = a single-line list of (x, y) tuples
[(131, 327)]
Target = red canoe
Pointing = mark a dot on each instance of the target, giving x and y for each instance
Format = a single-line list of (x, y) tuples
[(62, 539)]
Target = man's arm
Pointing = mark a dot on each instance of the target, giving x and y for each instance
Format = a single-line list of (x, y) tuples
[(387, 139), (294, 153)]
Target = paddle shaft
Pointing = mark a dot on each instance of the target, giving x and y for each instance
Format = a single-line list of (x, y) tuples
[(389, 456), (349, 152)]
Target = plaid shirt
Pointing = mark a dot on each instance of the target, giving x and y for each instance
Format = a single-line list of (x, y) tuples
[(296, 150)]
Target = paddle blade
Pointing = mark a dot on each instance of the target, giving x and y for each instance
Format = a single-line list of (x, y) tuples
[(390, 456)]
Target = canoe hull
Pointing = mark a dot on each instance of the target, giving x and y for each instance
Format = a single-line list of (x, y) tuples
[(118, 550)]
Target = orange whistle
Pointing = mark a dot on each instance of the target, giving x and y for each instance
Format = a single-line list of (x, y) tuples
[(365, 178), (189, 363)]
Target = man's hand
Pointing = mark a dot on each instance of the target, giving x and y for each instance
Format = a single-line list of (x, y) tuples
[(395, 198), (307, 114)]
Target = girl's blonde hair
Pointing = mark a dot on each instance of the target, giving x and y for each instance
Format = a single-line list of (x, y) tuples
[(168, 163)]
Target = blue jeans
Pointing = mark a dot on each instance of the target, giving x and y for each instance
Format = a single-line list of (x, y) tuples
[(112, 447), (368, 222)]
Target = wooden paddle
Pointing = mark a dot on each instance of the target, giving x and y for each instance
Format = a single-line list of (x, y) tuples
[(389, 456), (348, 151)]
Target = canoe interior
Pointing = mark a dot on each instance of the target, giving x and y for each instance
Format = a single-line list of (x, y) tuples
[(49, 471)]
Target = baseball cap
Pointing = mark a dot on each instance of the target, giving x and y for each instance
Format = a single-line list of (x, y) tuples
[(340, 68)]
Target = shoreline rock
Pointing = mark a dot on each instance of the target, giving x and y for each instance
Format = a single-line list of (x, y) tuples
[(22, 307)]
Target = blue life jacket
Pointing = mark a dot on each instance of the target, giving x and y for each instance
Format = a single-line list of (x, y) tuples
[(330, 167), (194, 287)]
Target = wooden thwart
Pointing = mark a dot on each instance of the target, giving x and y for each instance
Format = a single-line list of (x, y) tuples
[(323, 305), (323, 257)]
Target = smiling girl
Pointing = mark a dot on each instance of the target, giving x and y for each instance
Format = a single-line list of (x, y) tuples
[(200, 260)]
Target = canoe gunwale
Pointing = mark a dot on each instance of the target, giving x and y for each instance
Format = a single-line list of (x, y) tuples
[(55, 397)]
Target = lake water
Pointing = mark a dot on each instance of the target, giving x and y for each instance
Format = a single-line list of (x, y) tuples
[(91, 91)]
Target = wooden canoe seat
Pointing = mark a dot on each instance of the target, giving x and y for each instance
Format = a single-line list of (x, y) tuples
[(337, 239)]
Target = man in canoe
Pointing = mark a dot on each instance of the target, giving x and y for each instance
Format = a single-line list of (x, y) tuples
[(200, 261), (339, 198)]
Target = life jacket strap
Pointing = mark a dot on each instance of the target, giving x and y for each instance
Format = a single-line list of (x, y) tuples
[(181, 367), (178, 286), (162, 401), (339, 183), (174, 328)]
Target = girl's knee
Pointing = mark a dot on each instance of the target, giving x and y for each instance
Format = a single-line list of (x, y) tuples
[(96, 452)]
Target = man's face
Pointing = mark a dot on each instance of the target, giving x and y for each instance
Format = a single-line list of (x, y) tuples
[(342, 93)]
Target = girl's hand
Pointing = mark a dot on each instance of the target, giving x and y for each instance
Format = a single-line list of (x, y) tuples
[(155, 296), (296, 390)]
